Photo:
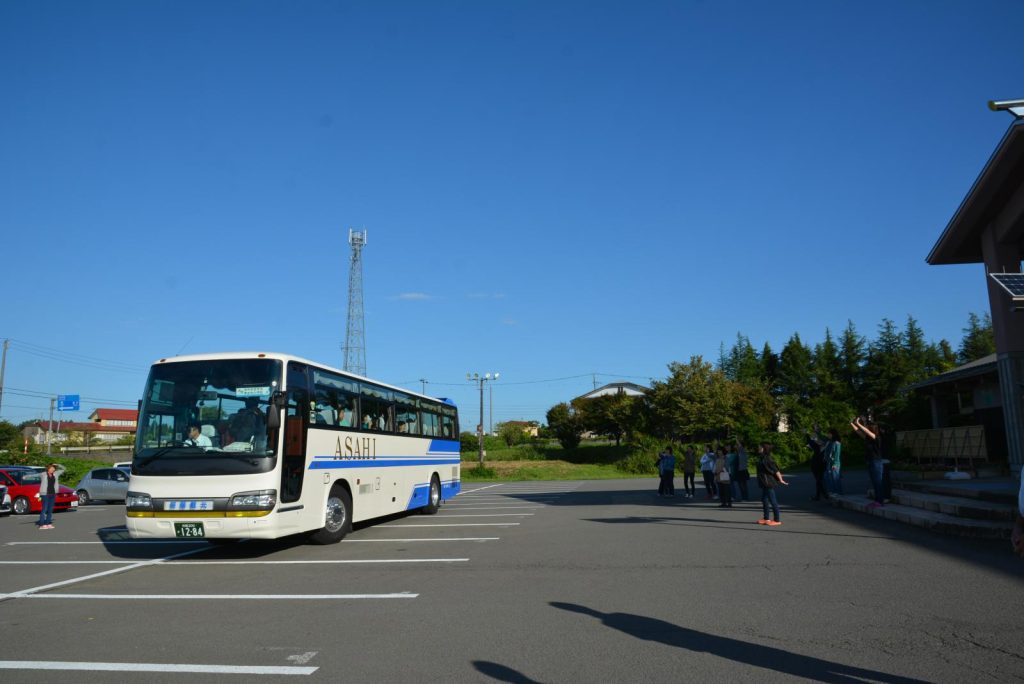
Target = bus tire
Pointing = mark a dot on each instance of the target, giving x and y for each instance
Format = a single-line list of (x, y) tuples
[(337, 517), (433, 497)]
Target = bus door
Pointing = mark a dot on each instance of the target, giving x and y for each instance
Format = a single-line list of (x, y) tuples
[(296, 424)]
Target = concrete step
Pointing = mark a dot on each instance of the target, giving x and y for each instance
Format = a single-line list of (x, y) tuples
[(1005, 493), (932, 520), (957, 506)]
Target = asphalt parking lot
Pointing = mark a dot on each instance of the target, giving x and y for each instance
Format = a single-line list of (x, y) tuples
[(518, 582)]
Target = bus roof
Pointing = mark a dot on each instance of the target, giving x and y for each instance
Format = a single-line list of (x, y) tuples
[(289, 357)]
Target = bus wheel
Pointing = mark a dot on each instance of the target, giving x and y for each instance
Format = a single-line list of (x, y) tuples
[(434, 497), (338, 518)]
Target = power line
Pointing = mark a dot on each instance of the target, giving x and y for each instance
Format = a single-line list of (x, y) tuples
[(51, 354)]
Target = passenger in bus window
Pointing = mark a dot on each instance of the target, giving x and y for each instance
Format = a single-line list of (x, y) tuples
[(344, 415), (326, 414), (249, 421)]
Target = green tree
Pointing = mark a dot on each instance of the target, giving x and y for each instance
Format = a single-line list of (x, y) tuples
[(978, 340), (827, 369), (10, 435), (852, 354), (770, 368), (511, 434), (614, 415), (567, 426), (695, 402), (795, 374), (741, 364), (885, 371)]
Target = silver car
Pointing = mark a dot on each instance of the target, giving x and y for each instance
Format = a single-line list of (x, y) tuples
[(102, 484), (5, 501)]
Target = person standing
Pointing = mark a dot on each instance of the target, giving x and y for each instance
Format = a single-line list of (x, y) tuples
[(768, 475), (723, 478), (49, 485), (817, 464), (742, 470), (707, 469), (831, 457), (872, 457), (667, 471), (689, 469)]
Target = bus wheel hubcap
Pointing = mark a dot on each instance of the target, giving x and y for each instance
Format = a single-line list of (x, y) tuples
[(336, 514)]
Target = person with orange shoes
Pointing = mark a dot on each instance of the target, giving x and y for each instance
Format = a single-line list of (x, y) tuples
[(768, 475)]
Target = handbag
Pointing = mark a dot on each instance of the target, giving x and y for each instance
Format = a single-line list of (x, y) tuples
[(723, 477)]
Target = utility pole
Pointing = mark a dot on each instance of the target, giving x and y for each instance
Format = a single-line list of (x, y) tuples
[(49, 428), (490, 409), (480, 380), (3, 366), (424, 382)]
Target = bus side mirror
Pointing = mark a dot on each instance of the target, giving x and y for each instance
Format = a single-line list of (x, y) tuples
[(277, 402)]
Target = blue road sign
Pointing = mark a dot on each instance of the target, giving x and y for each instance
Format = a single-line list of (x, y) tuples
[(67, 402)]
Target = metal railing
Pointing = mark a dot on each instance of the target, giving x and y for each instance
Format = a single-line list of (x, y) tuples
[(962, 448)]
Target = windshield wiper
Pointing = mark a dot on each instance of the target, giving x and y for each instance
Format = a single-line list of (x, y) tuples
[(160, 452)]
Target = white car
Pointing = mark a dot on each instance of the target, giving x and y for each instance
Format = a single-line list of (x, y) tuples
[(5, 501)]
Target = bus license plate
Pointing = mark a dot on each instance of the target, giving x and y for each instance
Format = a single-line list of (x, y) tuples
[(189, 529)]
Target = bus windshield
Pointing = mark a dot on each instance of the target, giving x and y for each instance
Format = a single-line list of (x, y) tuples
[(207, 418)]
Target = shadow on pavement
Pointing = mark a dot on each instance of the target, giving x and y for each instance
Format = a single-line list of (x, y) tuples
[(757, 655), (502, 673), (797, 511), (119, 543), (744, 526)]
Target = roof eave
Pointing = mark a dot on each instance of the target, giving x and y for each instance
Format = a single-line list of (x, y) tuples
[(949, 249)]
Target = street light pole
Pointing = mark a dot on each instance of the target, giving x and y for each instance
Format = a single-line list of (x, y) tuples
[(480, 380)]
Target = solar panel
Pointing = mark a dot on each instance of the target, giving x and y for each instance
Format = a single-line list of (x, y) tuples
[(1011, 282)]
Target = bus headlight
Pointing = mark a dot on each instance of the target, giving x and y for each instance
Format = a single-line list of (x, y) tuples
[(262, 500), (138, 501)]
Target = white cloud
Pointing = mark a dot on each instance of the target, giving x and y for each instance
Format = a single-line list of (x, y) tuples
[(413, 297)]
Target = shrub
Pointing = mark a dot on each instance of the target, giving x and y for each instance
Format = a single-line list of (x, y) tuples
[(469, 442)]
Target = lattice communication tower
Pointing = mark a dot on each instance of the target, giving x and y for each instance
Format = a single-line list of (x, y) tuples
[(354, 350)]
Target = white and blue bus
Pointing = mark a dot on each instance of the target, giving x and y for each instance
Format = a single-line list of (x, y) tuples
[(261, 446)]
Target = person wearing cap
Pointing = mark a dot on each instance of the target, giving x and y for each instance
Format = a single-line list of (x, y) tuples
[(49, 485)]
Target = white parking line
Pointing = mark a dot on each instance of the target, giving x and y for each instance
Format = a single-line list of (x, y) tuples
[(508, 524), (215, 597), (154, 667), (472, 506), (434, 539), (126, 541), (248, 562), (484, 515), (490, 486), (31, 593)]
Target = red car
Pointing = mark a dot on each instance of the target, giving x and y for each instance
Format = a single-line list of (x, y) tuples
[(23, 485)]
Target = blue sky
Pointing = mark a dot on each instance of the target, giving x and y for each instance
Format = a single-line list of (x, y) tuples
[(550, 189)]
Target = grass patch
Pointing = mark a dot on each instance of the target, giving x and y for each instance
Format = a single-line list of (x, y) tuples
[(545, 470)]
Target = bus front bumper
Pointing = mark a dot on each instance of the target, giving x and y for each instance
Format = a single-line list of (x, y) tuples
[(195, 528)]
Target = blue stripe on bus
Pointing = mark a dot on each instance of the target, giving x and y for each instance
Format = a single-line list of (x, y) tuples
[(332, 463), (443, 446), (421, 493)]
